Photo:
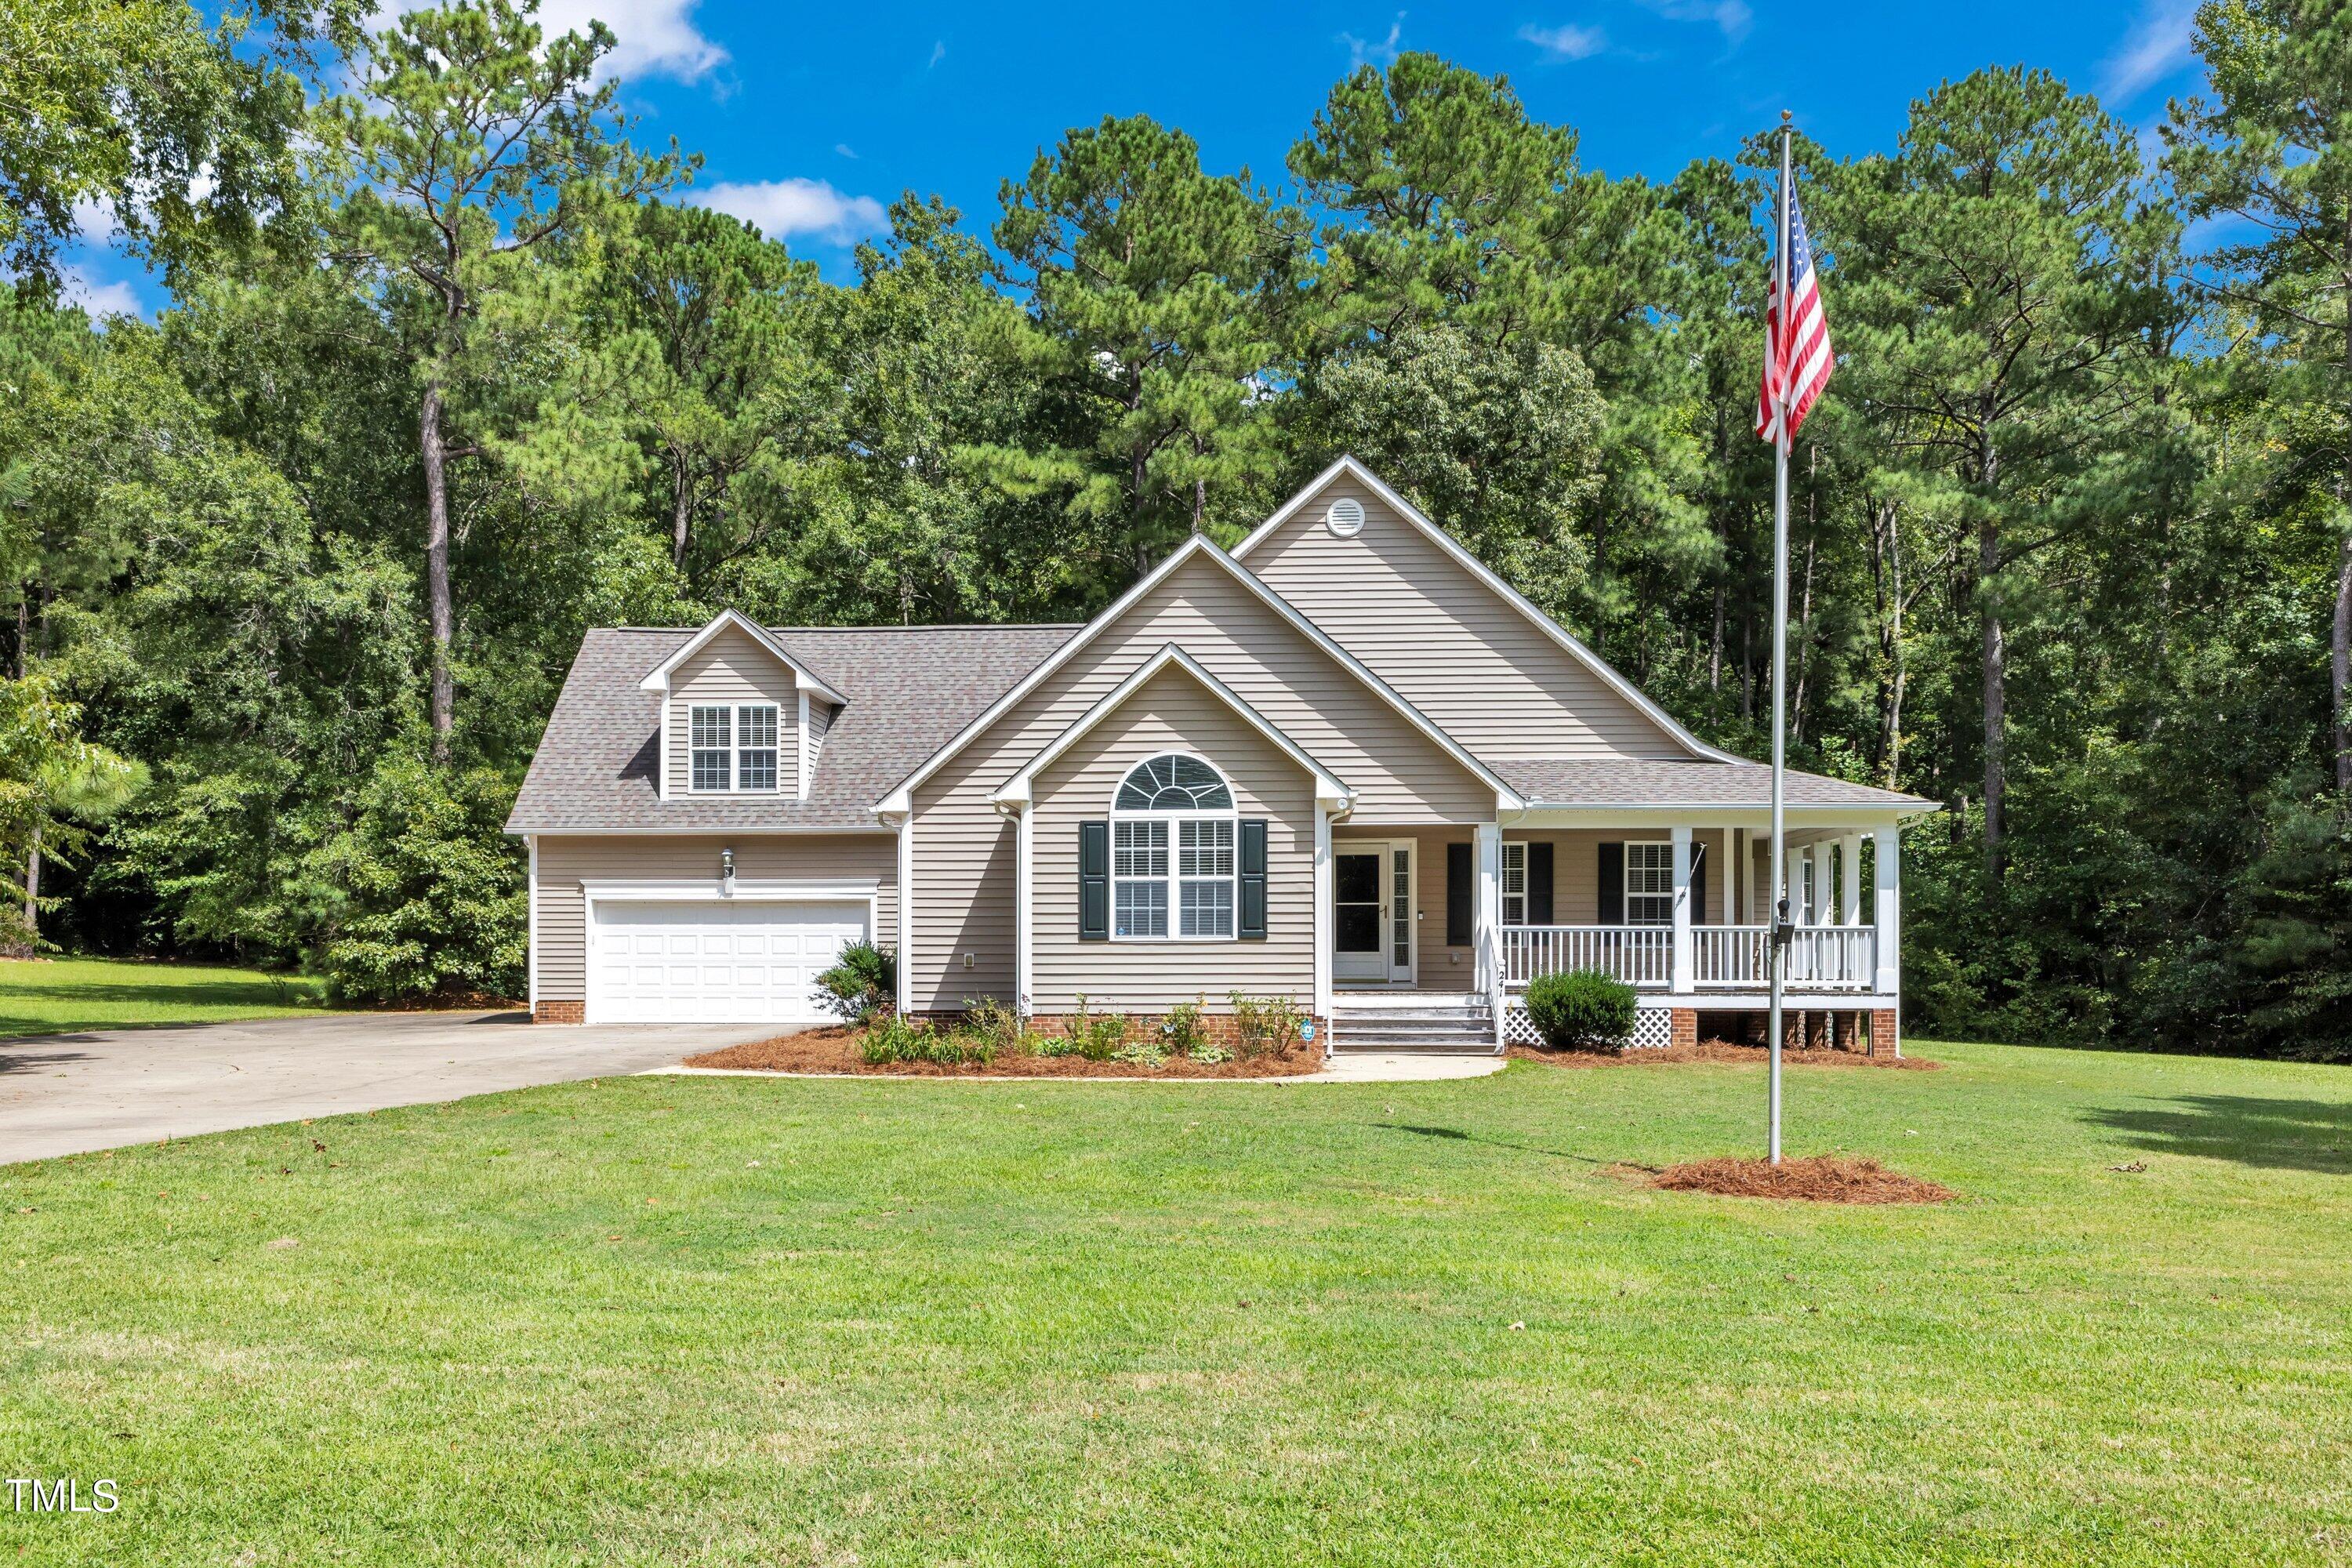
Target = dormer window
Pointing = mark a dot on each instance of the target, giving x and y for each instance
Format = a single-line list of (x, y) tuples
[(732, 747)]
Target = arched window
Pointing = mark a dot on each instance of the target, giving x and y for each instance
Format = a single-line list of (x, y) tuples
[(1172, 837)]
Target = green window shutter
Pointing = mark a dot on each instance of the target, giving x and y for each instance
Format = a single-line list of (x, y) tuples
[(1612, 884), (1094, 881), (1539, 882), (1251, 923), (1461, 895)]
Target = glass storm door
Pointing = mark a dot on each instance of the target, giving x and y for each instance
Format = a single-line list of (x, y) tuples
[(1372, 911), (1361, 916)]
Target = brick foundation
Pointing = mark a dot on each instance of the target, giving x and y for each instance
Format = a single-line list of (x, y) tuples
[(1222, 1028), (560, 1013), (1681, 1027), (1885, 1032)]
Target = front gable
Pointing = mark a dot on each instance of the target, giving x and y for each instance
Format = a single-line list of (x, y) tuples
[(962, 864), (1425, 615)]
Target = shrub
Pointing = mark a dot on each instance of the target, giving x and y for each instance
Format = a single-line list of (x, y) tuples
[(1582, 1010), (1097, 1039), (1268, 1024), (862, 981), (992, 1021), (1208, 1053), (1181, 1029), (429, 892), (1142, 1054), (894, 1039)]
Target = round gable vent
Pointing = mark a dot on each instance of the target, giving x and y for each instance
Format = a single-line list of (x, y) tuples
[(1346, 515)]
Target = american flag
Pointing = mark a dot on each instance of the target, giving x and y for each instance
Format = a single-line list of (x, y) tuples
[(1797, 360)]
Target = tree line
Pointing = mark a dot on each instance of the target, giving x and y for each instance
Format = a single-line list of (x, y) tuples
[(453, 369)]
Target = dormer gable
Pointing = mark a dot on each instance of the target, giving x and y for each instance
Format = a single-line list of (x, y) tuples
[(738, 714)]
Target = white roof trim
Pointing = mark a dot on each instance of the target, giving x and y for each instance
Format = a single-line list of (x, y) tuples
[(801, 679), (901, 798), (1329, 793), (1477, 568)]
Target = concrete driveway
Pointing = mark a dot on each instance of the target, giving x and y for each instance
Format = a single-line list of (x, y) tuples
[(67, 1094)]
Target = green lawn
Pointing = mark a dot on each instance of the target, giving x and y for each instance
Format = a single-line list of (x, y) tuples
[(62, 995), (882, 1323)]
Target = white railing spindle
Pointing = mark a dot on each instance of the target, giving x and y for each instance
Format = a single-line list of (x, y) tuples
[(1821, 958)]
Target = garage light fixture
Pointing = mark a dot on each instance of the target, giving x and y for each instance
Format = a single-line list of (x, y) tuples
[(727, 872)]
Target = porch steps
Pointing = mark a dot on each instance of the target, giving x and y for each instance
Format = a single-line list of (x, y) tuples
[(1447, 1027)]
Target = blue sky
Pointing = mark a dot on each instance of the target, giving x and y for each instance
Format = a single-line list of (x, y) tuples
[(813, 118)]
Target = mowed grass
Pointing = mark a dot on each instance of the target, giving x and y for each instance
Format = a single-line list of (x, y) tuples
[(63, 996), (664, 1321)]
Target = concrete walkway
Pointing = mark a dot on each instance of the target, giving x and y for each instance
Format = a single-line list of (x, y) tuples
[(68, 1094), (1366, 1066)]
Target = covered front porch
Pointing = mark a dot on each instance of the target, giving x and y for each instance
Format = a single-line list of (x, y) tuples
[(1676, 904)]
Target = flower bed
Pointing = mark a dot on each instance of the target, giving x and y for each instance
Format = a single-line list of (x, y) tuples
[(843, 1049)]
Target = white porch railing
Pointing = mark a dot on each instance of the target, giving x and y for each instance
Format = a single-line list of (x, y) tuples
[(1821, 958), (1640, 955)]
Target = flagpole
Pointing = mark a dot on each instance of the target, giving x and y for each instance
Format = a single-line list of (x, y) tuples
[(1777, 951)]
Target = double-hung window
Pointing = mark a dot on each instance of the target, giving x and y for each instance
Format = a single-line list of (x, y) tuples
[(1175, 834), (1514, 882), (731, 747), (1649, 884)]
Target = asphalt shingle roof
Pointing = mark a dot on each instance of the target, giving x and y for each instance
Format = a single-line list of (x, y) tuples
[(910, 690), (1584, 781)]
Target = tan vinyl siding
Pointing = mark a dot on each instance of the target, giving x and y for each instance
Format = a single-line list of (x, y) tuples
[(1457, 650), (964, 852), (821, 713), (1438, 967), (1576, 867), (1171, 712), (732, 668), (565, 862)]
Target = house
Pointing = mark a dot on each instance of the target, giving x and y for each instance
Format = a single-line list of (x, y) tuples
[(1343, 762)]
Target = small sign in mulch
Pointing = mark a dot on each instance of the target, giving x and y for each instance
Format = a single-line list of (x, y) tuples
[(1820, 1179), (838, 1049)]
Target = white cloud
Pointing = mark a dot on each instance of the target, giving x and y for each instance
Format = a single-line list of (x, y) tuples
[(651, 38), (939, 52), (2161, 41), (100, 298), (780, 208), (846, 151), (1732, 18), (1384, 53), (1566, 42)]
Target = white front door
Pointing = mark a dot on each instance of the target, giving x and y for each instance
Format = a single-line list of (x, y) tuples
[(735, 961), (1373, 937)]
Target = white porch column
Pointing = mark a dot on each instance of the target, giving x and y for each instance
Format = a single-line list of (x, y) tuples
[(1889, 890), (1849, 879), (1683, 973), (1323, 917), (1490, 908)]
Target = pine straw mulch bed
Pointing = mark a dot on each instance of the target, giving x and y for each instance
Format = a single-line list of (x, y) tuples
[(835, 1049), (1713, 1051), (1820, 1179)]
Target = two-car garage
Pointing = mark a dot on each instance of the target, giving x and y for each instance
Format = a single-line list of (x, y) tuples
[(743, 960)]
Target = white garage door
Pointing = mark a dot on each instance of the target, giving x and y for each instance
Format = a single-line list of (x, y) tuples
[(728, 961)]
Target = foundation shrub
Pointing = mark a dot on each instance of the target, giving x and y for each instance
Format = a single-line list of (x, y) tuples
[(1263, 1024), (860, 983), (1581, 1010)]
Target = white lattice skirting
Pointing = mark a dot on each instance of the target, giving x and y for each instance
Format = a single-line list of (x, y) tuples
[(1653, 1026)]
